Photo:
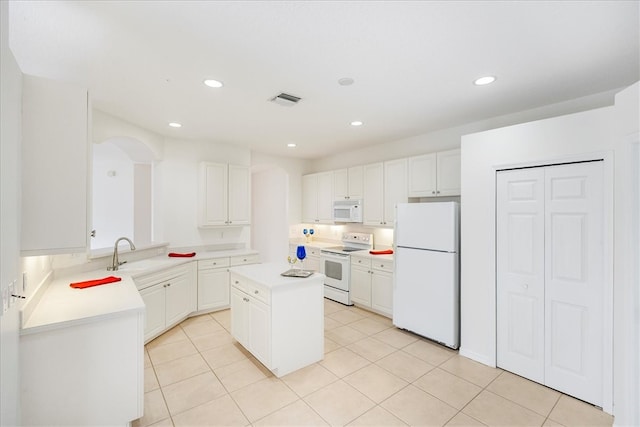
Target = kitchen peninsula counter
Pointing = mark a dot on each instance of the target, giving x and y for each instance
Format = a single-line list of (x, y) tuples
[(93, 342), (59, 305)]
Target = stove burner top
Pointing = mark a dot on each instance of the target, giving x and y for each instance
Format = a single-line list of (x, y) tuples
[(352, 242), (342, 249)]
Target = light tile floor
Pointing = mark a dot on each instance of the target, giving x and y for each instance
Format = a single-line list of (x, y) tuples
[(373, 374)]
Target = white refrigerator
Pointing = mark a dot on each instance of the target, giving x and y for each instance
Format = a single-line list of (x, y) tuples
[(426, 287)]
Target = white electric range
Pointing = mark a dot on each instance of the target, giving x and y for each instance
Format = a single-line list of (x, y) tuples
[(335, 264)]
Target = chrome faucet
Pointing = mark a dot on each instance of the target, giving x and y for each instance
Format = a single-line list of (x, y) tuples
[(115, 263)]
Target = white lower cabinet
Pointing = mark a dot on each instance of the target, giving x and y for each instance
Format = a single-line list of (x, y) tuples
[(84, 374), (213, 280), (279, 320), (169, 297), (213, 284), (382, 291), (251, 319), (361, 282), (372, 284)]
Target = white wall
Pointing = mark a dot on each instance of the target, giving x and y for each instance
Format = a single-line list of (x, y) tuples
[(294, 168), (176, 194), (105, 126), (112, 195), (582, 135), (10, 135), (270, 213), (449, 138), (627, 260)]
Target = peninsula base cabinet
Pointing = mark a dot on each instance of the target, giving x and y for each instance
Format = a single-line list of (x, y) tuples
[(281, 324), (86, 374), (169, 297), (372, 284)]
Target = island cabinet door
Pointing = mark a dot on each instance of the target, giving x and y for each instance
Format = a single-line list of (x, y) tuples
[(240, 316), (260, 331)]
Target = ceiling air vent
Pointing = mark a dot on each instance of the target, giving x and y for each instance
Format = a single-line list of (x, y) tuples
[(285, 99)]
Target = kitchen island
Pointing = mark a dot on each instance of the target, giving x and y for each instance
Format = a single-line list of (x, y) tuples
[(280, 320)]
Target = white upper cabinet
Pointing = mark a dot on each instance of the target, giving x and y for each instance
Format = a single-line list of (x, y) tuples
[(348, 183), (385, 185), (55, 172), (435, 174), (317, 198), (373, 194), (239, 194), (395, 188), (225, 195)]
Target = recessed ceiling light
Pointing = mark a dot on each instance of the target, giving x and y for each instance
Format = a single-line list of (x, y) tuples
[(291, 145), (484, 80), (175, 125), (346, 81), (356, 123), (213, 83)]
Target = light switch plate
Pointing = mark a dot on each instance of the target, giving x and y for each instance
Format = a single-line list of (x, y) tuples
[(5, 299)]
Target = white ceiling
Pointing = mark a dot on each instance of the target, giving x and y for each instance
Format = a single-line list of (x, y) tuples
[(413, 63)]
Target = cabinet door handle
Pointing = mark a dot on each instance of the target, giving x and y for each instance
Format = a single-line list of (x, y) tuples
[(256, 292)]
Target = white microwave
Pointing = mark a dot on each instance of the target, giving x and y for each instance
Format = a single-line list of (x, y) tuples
[(347, 211)]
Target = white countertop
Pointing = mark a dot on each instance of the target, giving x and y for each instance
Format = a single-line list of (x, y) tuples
[(158, 263), (268, 274), (60, 305), (366, 254), (323, 244)]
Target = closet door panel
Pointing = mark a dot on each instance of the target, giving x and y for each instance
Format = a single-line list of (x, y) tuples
[(574, 279), (520, 272)]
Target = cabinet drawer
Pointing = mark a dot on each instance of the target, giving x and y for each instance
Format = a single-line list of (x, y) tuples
[(213, 263), (260, 292), (312, 251), (251, 288), (359, 261), (145, 281), (382, 264), (245, 259)]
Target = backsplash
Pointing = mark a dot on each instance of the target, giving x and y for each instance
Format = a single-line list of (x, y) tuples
[(382, 237)]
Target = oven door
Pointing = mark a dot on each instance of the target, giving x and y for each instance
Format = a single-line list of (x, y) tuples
[(336, 268)]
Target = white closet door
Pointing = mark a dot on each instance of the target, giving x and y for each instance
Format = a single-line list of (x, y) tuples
[(550, 276), (574, 279), (520, 272)]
